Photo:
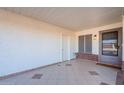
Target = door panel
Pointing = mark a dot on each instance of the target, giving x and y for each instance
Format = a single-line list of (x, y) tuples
[(111, 46), (110, 43), (88, 44), (81, 43), (85, 44)]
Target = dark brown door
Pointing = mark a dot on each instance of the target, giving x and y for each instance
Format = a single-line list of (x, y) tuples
[(111, 47)]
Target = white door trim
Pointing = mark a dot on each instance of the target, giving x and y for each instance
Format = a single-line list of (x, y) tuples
[(68, 47)]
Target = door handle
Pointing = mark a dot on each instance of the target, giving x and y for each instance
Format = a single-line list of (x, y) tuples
[(118, 47)]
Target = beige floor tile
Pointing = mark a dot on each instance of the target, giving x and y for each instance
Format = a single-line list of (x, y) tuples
[(60, 74)]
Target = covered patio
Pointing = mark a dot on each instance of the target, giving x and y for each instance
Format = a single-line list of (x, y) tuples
[(74, 72)]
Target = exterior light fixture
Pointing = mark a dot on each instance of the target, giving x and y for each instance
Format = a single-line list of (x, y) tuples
[(95, 36)]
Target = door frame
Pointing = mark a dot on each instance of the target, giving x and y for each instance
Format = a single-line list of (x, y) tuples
[(100, 44), (68, 47)]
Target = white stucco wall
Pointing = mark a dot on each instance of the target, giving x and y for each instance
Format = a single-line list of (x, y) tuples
[(26, 43), (95, 31)]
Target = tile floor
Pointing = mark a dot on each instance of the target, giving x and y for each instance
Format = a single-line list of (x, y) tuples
[(74, 72)]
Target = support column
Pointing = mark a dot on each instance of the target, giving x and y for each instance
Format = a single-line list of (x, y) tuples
[(123, 42)]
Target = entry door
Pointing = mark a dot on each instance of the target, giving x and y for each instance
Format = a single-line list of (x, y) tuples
[(85, 44), (111, 47), (81, 44), (88, 44), (65, 48)]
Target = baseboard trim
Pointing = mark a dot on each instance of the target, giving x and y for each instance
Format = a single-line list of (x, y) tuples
[(109, 65)]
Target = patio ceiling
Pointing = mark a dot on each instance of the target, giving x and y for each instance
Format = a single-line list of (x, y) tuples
[(75, 19)]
